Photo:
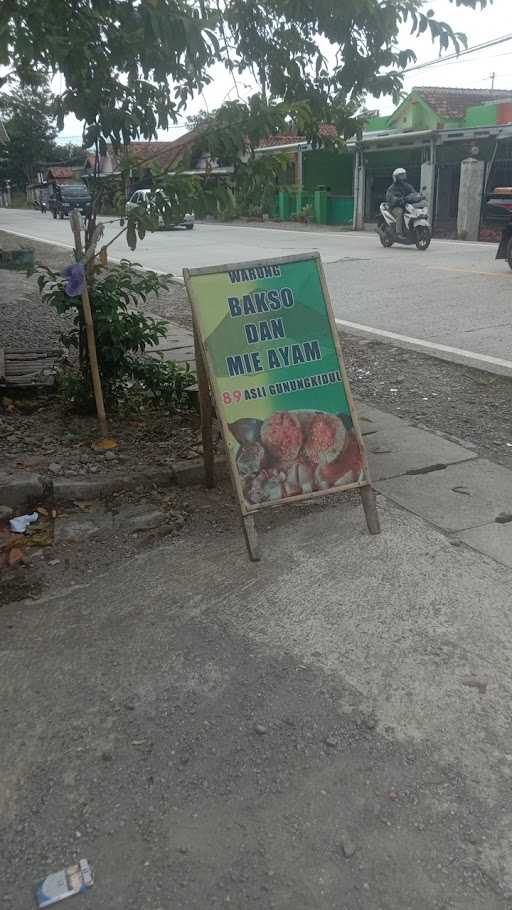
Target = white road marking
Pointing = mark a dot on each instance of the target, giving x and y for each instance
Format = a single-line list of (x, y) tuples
[(480, 244), (442, 351), (447, 268), (52, 242)]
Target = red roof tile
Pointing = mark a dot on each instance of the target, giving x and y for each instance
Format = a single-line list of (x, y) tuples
[(281, 139), (452, 102), (328, 129), (61, 173), (325, 129), (164, 153)]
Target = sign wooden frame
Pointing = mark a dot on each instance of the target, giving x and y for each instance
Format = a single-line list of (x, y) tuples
[(209, 398)]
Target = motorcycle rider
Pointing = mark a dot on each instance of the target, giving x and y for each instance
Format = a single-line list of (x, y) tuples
[(396, 196)]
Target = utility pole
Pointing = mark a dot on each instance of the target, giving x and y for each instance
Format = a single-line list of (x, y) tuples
[(492, 77)]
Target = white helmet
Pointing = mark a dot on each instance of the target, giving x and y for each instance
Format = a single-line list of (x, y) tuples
[(399, 174)]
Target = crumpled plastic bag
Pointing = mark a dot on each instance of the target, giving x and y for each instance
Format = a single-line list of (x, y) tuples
[(20, 524)]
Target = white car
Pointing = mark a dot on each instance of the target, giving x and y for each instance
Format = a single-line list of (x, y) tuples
[(140, 199)]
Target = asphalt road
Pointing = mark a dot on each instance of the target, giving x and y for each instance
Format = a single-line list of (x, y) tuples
[(455, 296)]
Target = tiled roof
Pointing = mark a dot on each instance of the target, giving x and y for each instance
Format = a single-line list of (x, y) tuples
[(164, 153), (61, 173), (328, 129), (453, 102), (281, 139), (325, 129)]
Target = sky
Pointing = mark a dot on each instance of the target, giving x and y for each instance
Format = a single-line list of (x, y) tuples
[(472, 71)]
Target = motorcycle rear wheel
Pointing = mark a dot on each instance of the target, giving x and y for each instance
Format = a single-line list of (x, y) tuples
[(509, 253), (422, 238), (385, 238)]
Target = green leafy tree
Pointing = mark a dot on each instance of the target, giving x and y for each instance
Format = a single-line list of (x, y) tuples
[(28, 116), (70, 153), (229, 138), (129, 67)]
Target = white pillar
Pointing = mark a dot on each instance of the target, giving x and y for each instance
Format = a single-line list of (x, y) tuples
[(359, 191), (471, 189), (428, 174)]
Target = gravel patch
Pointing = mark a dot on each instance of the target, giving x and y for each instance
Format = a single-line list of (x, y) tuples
[(461, 403), (172, 304), (26, 323)]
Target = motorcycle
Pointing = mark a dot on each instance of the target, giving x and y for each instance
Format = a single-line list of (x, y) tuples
[(505, 247), (499, 211), (416, 227)]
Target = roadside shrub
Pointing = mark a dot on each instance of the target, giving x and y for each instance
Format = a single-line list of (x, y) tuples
[(122, 334)]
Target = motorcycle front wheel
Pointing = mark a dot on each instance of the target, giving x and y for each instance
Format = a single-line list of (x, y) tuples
[(422, 238), (385, 238)]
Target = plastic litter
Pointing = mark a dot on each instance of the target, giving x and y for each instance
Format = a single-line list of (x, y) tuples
[(65, 883), (19, 525)]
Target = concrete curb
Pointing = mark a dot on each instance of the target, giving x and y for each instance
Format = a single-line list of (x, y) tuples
[(440, 351), (20, 490)]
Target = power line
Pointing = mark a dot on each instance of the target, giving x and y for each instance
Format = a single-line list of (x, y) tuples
[(469, 50)]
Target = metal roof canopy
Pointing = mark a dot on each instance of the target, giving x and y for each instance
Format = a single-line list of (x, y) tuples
[(304, 146), (423, 137)]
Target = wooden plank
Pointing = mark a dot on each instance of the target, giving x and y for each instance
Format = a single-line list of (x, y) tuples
[(29, 361), (28, 374), (251, 537), (29, 368), (205, 405), (252, 263), (31, 355), (370, 509), (344, 374), (24, 381), (35, 366)]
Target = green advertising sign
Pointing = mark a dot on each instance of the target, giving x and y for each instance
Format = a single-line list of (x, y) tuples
[(274, 362)]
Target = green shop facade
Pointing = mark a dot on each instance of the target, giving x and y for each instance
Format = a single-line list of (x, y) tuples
[(435, 133), (318, 184)]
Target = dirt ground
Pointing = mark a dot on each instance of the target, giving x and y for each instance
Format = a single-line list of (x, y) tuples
[(38, 434)]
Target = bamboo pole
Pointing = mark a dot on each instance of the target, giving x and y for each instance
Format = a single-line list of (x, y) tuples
[(89, 331)]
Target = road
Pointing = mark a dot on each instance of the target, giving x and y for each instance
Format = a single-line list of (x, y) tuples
[(454, 300)]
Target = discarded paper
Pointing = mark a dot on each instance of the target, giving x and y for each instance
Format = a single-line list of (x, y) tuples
[(65, 883)]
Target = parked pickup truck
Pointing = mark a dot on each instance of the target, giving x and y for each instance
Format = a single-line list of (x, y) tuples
[(64, 197)]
